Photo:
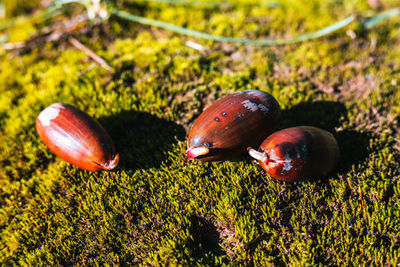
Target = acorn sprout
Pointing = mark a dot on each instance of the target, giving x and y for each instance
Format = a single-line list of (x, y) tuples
[(229, 126)]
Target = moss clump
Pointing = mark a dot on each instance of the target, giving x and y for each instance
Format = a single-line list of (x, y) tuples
[(19, 7), (160, 208)]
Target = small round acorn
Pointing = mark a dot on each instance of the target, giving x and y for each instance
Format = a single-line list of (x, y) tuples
[(229, 126), (76, 137), (298, 153)]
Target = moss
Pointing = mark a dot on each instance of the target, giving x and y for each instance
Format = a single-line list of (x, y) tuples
[(19, 7), (160, 208)]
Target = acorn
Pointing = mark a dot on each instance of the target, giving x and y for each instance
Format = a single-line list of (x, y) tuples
[(76, 137), (298, 153), (229, 126)]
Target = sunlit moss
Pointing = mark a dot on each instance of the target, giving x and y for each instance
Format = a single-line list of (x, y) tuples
[(158, 207)]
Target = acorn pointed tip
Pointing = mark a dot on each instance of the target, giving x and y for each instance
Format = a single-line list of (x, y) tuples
[(112, 163)]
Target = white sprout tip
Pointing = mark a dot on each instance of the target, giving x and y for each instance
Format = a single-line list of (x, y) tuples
[(197, 151), (256, 154)]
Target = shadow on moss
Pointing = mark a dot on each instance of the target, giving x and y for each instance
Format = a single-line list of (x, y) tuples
[(206, 238), (353, 148), (323, 114), (141, 139)]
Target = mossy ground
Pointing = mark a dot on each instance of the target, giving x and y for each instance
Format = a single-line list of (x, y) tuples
[(160, 208)]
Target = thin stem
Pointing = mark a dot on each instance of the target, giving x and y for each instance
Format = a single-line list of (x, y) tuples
[(57, 8), (90, 53), (214, 4), (382, 16), (203, 35)]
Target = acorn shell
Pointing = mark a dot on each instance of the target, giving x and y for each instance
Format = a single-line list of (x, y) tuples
[(298, 153), (76, 138), (229, 126)]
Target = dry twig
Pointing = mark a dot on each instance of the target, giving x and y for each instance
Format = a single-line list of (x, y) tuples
[(90, 53)]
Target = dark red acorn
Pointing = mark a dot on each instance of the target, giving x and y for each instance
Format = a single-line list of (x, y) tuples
[(298, 153), (76, 137), (229, 126)]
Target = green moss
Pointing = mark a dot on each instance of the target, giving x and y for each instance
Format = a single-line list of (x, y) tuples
[(158, 207), (19, 7)]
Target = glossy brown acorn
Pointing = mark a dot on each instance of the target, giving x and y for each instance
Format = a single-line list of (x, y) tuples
[(229, 126), (298, 153), (76, 137)]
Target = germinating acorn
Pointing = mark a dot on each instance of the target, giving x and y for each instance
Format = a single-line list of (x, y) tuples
[(298, 153), (229, 126), (76, 137)]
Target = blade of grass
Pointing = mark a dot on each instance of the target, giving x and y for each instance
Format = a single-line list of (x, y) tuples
[(56, 9), (214, 4), (382, 16), (307, 36), (2, 10), (50, 12), (3, 38), (53, 10)]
